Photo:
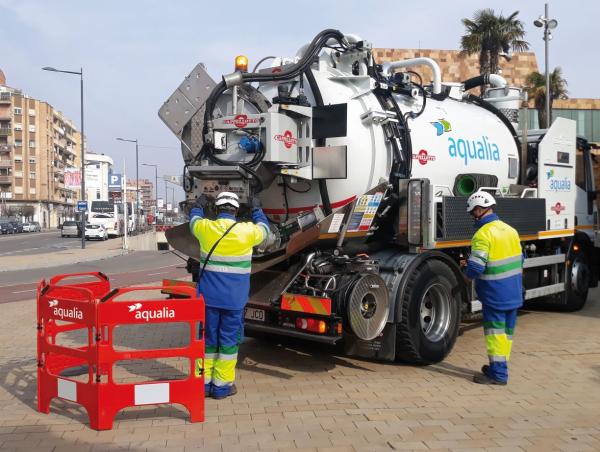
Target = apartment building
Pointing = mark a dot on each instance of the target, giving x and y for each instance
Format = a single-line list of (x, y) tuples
[(146, 196), (38, 145)]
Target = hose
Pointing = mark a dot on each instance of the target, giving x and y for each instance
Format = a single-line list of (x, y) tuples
[(293, 71)]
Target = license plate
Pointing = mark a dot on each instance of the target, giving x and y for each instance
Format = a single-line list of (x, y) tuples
[(257, 315)]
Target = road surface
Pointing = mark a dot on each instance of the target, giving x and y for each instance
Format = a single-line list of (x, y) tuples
[(31, 243), (135, 268)]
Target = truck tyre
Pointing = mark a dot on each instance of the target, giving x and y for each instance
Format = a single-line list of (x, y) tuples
[(577, 280), (430, 314)]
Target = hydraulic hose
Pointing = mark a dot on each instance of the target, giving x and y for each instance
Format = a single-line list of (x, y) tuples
[(293, 71)]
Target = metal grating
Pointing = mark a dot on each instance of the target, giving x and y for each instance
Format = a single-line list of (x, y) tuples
[(527, 216)]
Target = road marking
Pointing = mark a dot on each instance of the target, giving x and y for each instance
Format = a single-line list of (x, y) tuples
[(154, 274), (23, 291)]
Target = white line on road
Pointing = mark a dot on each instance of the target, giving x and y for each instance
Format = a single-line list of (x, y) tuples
[(154, 274), (23, 291)]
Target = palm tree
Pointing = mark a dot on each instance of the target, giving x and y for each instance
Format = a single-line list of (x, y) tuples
[(490, 35), (536, 90)]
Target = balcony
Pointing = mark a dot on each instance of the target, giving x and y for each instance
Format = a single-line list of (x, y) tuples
[(5, 131), (6, 164), (6, 180), (5, 115), (6, 147), (5, 98)]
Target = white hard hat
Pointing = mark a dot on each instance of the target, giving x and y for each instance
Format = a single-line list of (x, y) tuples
[(480, 199), (228, 198)]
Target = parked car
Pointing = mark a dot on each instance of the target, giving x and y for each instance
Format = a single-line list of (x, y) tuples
[(95, 231), (70, 229), (32, 226), (6, 228), (18, 226)]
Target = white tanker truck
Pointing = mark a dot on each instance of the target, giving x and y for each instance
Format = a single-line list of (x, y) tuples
[(364, 171)]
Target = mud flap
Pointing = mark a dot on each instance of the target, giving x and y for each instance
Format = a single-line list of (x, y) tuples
[(383, 347)]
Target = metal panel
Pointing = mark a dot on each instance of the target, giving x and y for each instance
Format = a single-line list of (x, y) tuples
[(330, 162), (526, 215), (544, 291), (187, 99), (544, 260)]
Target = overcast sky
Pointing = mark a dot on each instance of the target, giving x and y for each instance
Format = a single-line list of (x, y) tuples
[(134, 53)]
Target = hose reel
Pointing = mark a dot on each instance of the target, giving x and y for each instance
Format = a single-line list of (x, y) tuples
[(367, 304), (467, 184)]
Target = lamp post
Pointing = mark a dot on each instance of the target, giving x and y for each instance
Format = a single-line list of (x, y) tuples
[(83, 196), (548, 25), (137, 181), (155, 187)]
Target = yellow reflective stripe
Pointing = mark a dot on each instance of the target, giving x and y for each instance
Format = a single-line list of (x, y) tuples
[(209, 364), (224, 371), (497, 345), (508, 260)]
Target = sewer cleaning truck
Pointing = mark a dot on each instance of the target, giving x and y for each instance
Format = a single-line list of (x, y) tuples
[(364, 170)]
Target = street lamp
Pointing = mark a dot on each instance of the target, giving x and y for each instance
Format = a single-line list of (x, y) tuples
[(155, 187), (83, 197), (137, 181), (547, 24)]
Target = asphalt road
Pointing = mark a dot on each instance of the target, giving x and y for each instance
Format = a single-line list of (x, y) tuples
[(37, 243), (136, 268)]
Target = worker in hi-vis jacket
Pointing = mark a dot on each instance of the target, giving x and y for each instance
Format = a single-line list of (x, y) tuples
[(224, 281), (496, 265)]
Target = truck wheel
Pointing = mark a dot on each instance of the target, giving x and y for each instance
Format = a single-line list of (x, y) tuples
[(430, 314), (577, 281)]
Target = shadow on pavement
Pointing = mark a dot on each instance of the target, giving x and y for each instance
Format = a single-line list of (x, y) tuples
[(272, 356)]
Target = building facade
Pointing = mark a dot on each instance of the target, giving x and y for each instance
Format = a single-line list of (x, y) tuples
[(146, 193), (38, 147), (98, 167)]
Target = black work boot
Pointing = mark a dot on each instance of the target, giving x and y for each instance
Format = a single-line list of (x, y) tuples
[(232, 391), (483, 379)]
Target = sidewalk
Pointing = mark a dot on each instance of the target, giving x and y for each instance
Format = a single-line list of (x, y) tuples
[(302, 397)]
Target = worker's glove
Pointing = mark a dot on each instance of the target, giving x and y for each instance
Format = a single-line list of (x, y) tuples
[(256, 204), (201, 202)]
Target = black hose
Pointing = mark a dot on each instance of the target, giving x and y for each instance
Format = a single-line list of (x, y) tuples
[(293, 71), (474, 82)]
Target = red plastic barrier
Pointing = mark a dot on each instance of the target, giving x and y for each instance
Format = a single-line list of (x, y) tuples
[(93, 306)]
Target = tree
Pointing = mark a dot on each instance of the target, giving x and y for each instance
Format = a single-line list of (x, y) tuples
[(536, 90), (490, 35)]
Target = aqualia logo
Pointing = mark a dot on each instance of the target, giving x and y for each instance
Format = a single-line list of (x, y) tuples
[(147, 314), (556, 184), (480, 149)]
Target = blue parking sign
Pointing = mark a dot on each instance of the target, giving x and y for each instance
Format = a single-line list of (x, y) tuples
[(82, 206)]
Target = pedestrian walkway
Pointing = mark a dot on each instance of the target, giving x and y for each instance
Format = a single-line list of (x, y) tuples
[(295, 396)]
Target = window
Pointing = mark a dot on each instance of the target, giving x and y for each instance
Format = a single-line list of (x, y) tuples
[(18, 159), (31, 143), (32, 112), (17, 110), (18, 143), (32, 128), (32, 160), (18, 126), (18, 173), (32, 175)]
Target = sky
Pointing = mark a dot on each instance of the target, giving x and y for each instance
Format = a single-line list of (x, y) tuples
[(134, 53)]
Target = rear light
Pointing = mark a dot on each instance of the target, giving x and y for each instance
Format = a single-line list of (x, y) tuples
[(313, 325), (338, 329)]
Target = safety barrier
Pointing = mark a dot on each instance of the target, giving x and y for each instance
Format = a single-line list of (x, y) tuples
[(92, 306)]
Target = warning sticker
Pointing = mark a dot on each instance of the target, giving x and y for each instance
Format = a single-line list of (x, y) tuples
[(364, 212), (336, 222)]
